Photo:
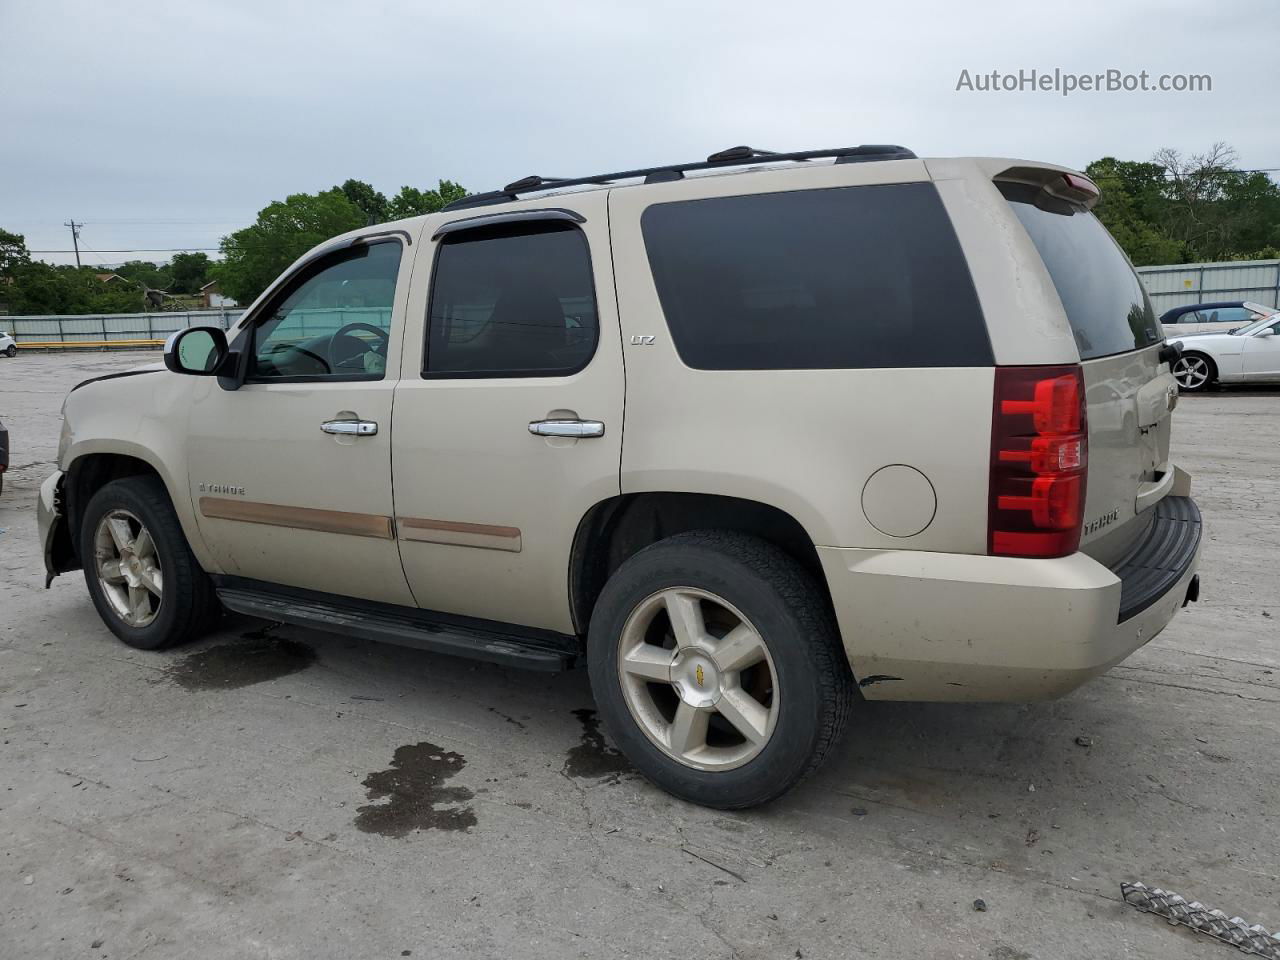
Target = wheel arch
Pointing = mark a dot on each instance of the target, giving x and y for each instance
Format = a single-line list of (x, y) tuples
[(89, 472), (615, 529), (92, 466)]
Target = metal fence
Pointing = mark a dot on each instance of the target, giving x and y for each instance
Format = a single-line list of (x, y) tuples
[(95, 330), (1183, 283)]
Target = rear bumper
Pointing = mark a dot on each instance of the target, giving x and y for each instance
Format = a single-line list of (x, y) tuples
[(941, 626)]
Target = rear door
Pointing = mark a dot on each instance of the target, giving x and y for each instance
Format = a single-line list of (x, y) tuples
[(1129, 393), (516, 329)]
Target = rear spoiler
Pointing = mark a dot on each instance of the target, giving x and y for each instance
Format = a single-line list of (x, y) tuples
[(1066, 185)]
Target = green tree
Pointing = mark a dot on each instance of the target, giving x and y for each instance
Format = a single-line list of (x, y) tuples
[(1132, 194), (44, 288), (412, 202), (370, 201), (142, 273), (189, 272), (13, 252), (1186, 209), (253, 257)]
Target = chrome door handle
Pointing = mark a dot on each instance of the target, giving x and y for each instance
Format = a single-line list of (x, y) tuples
[(577, 429), (350, 428)]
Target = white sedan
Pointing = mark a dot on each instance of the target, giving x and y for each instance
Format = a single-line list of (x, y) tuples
[(1248, 355), (7, 346)]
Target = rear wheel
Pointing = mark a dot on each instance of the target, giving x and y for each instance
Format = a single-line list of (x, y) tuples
[(144, 581), (1194, 372), (11, 351), (717, 668)]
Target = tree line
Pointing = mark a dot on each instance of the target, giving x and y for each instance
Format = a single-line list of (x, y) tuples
[(1170, 209), (251, 258), (1188, 209), (30, 286)]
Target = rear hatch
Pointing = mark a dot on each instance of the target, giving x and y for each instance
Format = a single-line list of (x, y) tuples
[(1129, 394)]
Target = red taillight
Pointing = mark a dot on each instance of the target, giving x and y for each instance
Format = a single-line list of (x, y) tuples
[(1039, 457)]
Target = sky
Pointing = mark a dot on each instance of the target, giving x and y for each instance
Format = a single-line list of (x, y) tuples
[(170, 124)]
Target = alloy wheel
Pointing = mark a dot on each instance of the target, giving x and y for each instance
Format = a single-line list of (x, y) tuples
[(1191, 372), (128, 568), (698, 679)]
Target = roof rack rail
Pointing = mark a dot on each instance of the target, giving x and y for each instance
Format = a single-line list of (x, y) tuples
[(731, 157)]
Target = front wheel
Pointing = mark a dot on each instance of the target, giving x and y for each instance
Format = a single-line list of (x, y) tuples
[(11, 351), (717, 668), (1194, 372), (144, 581)]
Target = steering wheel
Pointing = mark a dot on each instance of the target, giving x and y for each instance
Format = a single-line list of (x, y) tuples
[(343, 334), (285, 347)]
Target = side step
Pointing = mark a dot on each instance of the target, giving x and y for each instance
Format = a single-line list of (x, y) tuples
[(486, 640)]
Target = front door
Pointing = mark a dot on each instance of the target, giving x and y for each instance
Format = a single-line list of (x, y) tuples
[(1261, 359), (291, 473), (517, 328)]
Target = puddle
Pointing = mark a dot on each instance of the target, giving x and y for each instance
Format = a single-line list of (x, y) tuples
[(255, 658), (414, 786), (593, 759)]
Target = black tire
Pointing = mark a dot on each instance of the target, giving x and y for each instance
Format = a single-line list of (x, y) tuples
[(11, 351), (1209, 382), (189, 606), (787, 608)]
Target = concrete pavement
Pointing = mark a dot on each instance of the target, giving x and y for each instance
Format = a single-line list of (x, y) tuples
[(283, 793)]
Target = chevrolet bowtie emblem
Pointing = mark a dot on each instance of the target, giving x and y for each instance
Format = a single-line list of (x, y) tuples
[(697, 673)]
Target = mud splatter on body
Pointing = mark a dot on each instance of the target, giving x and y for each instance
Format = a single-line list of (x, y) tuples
[(416, 797)]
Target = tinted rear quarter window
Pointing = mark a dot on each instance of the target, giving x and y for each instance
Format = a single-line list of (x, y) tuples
[(1106, 305), (836, 278)]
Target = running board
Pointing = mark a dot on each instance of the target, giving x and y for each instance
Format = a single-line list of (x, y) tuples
[(406, 627)]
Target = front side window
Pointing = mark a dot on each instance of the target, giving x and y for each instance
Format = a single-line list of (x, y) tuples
[(850, 277), (333, 321), (512, 301)]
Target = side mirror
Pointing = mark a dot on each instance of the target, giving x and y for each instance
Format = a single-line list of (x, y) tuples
[(198, 351), (1267, 332)]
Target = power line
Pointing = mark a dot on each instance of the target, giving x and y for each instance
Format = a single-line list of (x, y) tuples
[(141, 250)]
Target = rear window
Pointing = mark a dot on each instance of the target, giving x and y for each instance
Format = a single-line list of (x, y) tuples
[(816, 279), (1107, 307)]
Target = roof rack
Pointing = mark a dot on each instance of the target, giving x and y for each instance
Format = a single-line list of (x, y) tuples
[(731, 157)]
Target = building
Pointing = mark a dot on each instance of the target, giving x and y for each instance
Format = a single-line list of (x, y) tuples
[(211, 297)]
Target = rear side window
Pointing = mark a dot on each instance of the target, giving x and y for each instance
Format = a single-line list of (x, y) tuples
[(512, 301), (1106, 305), (816, 279)]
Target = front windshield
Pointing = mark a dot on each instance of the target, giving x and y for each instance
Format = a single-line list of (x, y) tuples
[(1256, 325)]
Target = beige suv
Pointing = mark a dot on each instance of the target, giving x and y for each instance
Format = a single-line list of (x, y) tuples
[(752, 437)]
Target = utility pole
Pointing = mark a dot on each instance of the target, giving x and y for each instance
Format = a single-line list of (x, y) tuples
[(75, 237)]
